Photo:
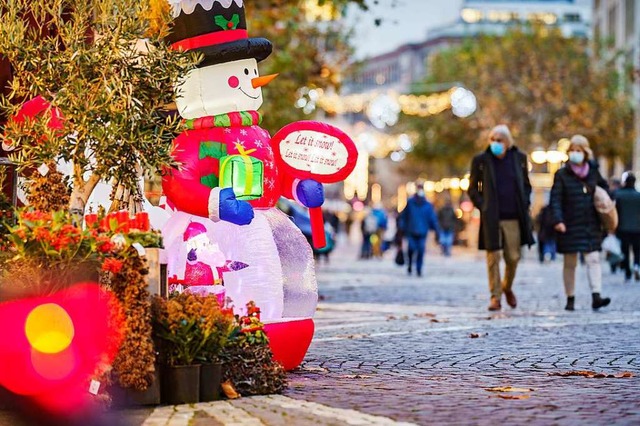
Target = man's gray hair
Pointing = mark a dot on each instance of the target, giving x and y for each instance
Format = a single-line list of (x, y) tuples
[(502, 130)]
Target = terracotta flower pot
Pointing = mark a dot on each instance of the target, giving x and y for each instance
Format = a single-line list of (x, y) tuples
[(210, 380), (181, 384)]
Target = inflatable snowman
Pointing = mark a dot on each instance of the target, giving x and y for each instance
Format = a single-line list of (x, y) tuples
[(229, 180)]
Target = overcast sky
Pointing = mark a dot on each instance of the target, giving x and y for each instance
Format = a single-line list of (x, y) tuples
[(407, 21)]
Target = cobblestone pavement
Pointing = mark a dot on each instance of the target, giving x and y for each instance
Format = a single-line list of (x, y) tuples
[(396, 349), (399, 346)]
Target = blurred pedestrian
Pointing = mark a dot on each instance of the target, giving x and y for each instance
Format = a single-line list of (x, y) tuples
[(380, 214), (389, 235), (499, 187), (332, 219), (369, 227), (628, 206), (447, 220), (415, 221), (546, 234), (577, 221), (348, 222)]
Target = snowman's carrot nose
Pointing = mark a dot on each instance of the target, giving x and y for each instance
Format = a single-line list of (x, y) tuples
[(262, 81)]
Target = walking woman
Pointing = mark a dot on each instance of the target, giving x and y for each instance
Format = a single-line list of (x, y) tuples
[(576, 220)]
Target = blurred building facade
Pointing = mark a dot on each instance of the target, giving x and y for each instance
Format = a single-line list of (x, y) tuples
[(618, 22), (402, 69)]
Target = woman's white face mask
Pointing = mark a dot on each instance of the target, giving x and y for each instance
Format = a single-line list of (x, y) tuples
[(576, 157)]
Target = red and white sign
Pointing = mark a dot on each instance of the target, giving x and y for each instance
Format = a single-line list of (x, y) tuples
[(318, 151)]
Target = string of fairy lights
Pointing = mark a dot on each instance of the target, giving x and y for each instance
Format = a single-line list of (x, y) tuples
[(383, 108), (417, 105)]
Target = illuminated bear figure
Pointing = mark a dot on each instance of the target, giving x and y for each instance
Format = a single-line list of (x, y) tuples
[(229, 179)]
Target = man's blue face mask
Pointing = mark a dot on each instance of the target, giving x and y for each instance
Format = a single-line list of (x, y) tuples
[(497, 148)]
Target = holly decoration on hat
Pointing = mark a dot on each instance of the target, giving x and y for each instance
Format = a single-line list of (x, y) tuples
[(227, 24)]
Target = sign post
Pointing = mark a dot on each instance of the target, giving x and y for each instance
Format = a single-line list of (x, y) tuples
[(318, 151)]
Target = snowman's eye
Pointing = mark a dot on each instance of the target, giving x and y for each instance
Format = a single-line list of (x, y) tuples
[(255, 72), (246, 71)]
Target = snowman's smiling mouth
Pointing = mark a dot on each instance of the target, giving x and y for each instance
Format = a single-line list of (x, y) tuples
[(252, 97)]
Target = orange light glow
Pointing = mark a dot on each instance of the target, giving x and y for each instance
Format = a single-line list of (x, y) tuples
[(49, 328)]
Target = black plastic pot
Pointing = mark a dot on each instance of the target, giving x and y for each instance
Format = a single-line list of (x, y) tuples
[(131, 398), (210, 380), (181, 384)]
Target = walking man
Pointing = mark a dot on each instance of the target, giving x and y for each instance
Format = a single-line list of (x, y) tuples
[(415, 221), (499, 187), (628, 205)]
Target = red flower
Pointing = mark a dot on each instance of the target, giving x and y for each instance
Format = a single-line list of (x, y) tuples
[(104, 244), (112, 265), (34, 216), (41, 234)]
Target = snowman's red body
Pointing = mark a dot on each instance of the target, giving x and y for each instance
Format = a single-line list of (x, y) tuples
[(199, 150)]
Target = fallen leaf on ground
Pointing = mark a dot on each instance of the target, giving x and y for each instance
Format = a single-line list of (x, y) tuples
[(425, 315), (229, 390), (513, 396), (391, 318), (476, 335), (351, 336), (404, 317), (497, 316), (437, 378), (355, 376), (314, 369), (509, 389), (592, 374), (439, 320)]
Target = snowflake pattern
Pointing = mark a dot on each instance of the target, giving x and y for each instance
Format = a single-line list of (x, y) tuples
[(227, 129), (270, 183), (243, 132), (239, 142), (258, 143)]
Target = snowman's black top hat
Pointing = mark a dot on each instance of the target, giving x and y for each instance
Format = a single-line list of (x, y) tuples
[(216, 28)]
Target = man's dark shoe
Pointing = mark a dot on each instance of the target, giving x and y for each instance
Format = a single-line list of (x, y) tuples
[(409, 270), (419, 273), (636, 273), (494, 305), (571, 302), (511, 298), (599, 302)]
